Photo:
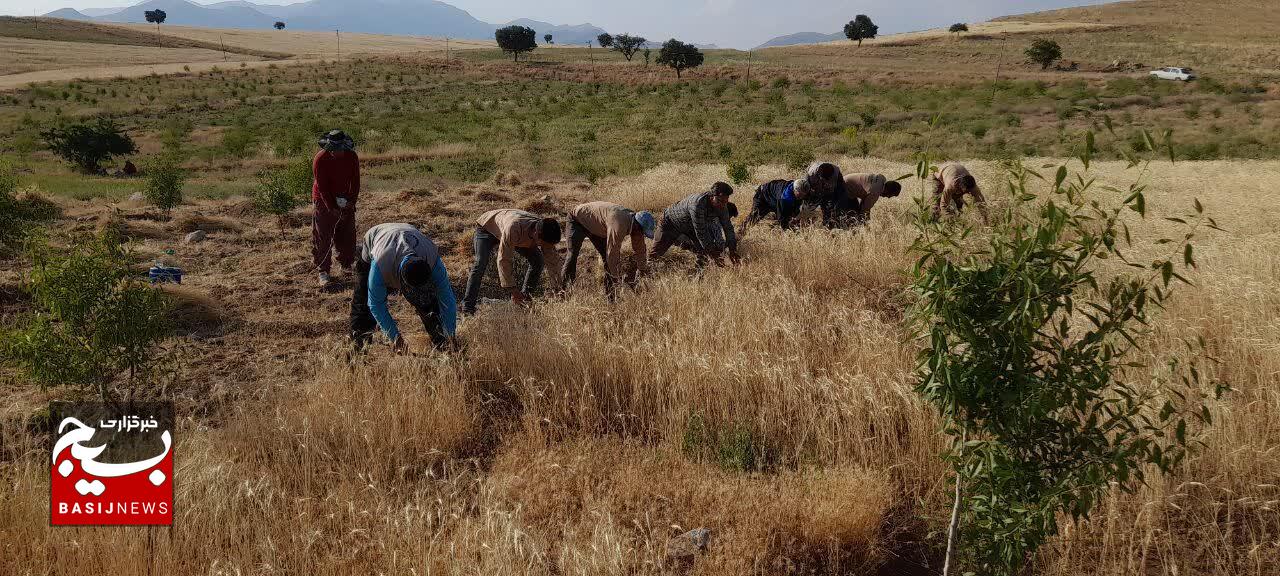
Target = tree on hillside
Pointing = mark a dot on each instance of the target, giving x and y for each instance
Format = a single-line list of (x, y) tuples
[(605, 40), (647, 55), (958, 27), (679, 56), (516, 39), (279, 25), (628, 45), (547, 38), (861, 28), (88, 145), (1044, 52), (157, 17)]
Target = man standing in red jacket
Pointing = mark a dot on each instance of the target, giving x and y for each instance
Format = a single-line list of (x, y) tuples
[(334, 193)]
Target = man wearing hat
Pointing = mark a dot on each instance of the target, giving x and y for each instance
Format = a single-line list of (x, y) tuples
[(697, 217), (607, 225), (334, 192), (400, 258)]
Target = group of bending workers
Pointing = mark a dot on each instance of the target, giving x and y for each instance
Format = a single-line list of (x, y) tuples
[(399, 258)]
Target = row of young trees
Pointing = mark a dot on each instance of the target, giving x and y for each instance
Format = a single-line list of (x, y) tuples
[(677, 55)]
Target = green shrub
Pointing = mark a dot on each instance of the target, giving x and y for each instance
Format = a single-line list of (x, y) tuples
[(165, 180), (90, 144), (1033, 352), (238, 141), (740, 173), (95, 326), (280, 191)]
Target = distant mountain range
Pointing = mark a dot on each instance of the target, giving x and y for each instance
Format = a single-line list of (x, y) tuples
[(802, 38), (409, 17)]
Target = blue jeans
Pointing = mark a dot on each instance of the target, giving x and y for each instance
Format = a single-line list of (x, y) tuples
[(484, 244)]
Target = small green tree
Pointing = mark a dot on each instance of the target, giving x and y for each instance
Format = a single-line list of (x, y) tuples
[(740, 173), (861, 28), (516, 40), (547, 38), (627, 45), (90, 144), (679, 56), (648, 53), (1033, 353), (279, 25), (95, 326), (1044, 52), (958, 27), (281, 191), (605, 40), (164, 183)]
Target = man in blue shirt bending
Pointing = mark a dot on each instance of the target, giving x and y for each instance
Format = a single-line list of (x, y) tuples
[(400, 258)]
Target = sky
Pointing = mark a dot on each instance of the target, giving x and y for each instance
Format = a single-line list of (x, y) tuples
[(727, 23)]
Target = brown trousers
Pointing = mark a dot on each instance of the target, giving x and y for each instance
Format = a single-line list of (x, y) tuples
[(333, 231)]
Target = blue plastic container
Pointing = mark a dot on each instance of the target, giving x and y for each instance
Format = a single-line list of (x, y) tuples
[(165, 275)]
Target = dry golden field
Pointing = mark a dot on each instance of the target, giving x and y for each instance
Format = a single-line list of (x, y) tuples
[(309, 44), (578, 437), (54, 58)]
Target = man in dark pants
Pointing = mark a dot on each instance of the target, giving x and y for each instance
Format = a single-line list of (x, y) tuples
[(513, 232), (608, 226), (697, 218), (400, 258)]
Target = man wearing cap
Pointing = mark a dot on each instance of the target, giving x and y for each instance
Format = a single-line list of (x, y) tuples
[(863, 191), (400, 258), (697, 217), (513, 231), (821, 186), (334, 192), (607, 225), (950, 185)]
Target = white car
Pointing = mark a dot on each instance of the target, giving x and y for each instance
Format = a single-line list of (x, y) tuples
[(1183, 74)]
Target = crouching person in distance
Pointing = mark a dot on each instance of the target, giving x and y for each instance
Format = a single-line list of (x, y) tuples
[(822, 186), (863, 191), (698, 217), (778, 198), (607, 225), (950, 185), (513, 231), (400, 258)]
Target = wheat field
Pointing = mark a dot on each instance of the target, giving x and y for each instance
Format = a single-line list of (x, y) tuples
[(771, 403)]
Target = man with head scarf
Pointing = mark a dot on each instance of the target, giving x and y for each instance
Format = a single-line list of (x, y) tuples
[(608, 225), (398, 258), (821, 186), (334, 193), (696, 219)]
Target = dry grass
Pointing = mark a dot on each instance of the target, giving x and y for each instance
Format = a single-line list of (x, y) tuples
[(47, 55), (579, 436), (310, 44)]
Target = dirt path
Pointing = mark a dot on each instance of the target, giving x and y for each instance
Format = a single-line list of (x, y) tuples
[(16, 81)]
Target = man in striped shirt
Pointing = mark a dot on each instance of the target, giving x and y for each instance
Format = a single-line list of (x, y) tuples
[(697, 217)]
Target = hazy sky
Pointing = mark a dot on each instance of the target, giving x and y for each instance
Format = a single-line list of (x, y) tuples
[(730, 23)]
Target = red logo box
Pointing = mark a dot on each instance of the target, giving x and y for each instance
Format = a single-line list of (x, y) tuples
[(111, 465)]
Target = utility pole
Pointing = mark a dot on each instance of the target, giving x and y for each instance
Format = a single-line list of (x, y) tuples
[(592, 56), (224, 48), (338, 33), (999, 63), (748, 68), (446, 49)]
